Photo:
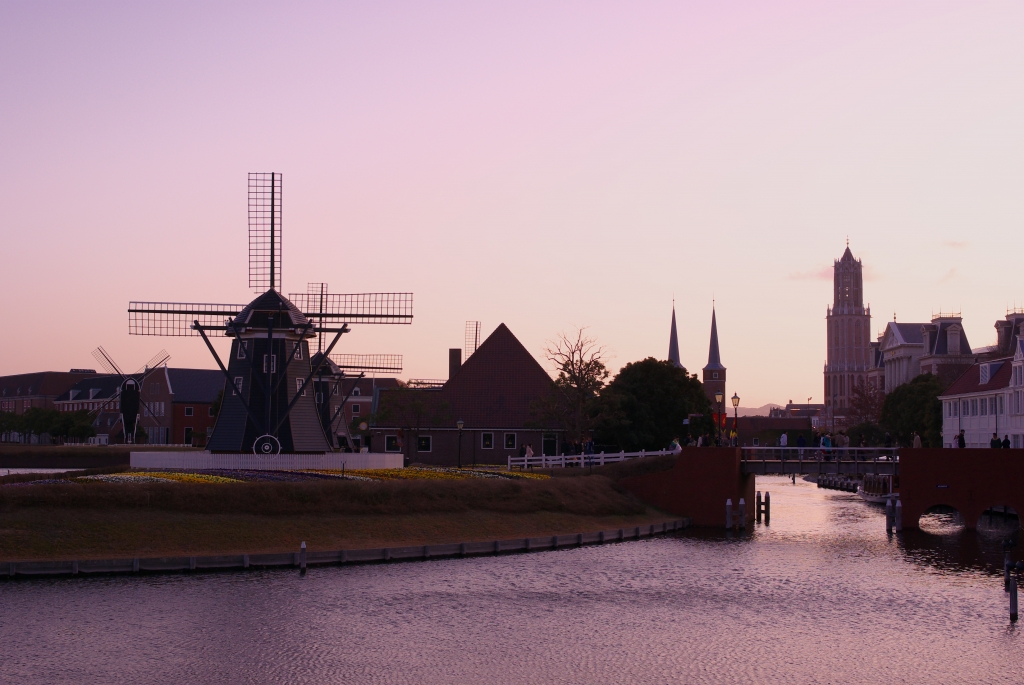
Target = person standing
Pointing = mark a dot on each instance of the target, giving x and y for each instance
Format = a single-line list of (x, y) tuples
[(1006, 442), (961, 441), (917, 440), (995, 442)]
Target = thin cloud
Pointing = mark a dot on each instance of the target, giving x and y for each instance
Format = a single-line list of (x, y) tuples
[(955, 244), (822, 274), (950, 275)]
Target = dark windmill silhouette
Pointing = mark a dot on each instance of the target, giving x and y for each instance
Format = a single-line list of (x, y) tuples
[(268, 404), (128, 396), (333, 370)]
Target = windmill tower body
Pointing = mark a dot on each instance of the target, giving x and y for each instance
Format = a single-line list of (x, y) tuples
[(269, 375)]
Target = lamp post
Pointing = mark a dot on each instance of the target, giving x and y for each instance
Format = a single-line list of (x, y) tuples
[(735, 415), (460, 423), (719, 398)]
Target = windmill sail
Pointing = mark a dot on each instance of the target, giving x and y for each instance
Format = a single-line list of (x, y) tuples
[(265, 231), (368, 362), (176, 318), (334, 308)]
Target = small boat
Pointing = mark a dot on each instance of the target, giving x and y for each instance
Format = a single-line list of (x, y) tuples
[(877, 489)]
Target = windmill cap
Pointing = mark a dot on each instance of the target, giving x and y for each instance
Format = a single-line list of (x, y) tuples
[(273, 302)]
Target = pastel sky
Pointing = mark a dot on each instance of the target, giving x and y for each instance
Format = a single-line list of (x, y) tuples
[(546, 165)]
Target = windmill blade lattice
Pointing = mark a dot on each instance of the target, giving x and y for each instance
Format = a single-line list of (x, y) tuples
[(176, 318), (368, 362), (265, 231), (379, 308)]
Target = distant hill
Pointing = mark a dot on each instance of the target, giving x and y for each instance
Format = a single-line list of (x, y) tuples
[(758, 411)]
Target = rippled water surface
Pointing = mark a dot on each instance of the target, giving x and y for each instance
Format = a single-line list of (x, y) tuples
[(822, 596)]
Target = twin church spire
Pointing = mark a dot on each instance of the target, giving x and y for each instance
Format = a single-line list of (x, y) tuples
[(714, 372)]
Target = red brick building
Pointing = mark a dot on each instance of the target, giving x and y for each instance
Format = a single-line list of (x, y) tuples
[(493, 393), (25, 391)]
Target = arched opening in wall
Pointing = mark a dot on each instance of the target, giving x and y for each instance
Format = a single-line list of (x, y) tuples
[(999, 520), (941, 519)]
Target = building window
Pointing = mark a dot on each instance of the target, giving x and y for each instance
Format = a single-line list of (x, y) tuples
[(983, 406), (238, 385), (714, 375), (355, 391), (273, 363), (1000, 399), (391, 444), (335, 390), (299, 388), (974, 407), (965, 410), (510, 441), (487, 441), (355, 410), (188, 411), (241, 348), (210, 410), (298, 350), (423, 443)]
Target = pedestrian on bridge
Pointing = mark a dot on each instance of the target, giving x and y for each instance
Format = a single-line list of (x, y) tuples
[(917, 440), (1006, 442), (961, 441), (995, 442)]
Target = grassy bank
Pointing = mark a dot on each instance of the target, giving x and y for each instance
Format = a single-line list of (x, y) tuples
[(74, 521)]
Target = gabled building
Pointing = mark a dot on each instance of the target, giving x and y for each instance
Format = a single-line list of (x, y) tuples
[(494, 393), (24, 391), (983, 401)]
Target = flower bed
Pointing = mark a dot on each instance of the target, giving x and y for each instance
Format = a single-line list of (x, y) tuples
[(424, 473)]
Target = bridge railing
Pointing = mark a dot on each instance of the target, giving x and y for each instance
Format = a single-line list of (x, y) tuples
[(847, 454), (541, 461)]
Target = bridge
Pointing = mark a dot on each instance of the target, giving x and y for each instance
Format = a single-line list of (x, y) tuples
[(971, 481)]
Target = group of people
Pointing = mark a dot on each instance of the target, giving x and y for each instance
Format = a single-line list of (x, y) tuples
[(961, 441)]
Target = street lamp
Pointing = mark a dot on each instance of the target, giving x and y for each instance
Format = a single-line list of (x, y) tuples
[(460, 423), (735, 414), (719, 398)]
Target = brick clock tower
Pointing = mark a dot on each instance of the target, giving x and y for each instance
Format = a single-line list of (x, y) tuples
[(714, 372), (849, 334)]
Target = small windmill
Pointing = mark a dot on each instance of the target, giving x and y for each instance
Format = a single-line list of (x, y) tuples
[(266, 407), (128, 395)]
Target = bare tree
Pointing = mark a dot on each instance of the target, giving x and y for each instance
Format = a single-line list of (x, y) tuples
[(866, 400), (580, 362)]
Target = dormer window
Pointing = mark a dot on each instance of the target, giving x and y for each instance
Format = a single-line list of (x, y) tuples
[(72, 394), (355, 392)]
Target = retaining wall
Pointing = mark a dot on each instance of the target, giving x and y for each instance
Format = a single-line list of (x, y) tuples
[(352, 556), (205, 461)]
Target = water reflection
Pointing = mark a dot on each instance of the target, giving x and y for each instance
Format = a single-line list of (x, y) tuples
[(822, 595)]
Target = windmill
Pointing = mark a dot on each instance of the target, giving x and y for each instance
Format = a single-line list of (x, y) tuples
[(266, 407), (128, 396)]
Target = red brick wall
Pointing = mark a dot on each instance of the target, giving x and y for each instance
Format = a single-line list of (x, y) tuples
[(698, 486), (199, 421), (969, 480)]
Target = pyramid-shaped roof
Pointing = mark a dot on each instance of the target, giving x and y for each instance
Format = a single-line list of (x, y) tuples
[(271, 301), (673, 341), (494, 388), (714, 357)]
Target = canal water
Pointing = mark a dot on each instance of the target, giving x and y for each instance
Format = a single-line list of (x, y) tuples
[(823, 595)]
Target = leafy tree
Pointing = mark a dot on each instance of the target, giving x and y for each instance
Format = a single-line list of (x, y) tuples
[(915, 406), (412, 409), (872, 434), (581, 376), (645, 405)]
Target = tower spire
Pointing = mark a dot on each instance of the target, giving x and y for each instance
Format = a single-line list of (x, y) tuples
[(673, 340), (714, 357)]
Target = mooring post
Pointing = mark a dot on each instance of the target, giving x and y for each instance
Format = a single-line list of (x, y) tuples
[(757, 507), (889, 515), (899, 516), (1007, 565), (302, 556), (743, 514), (728, 514), (1013, 600), (767, 508)]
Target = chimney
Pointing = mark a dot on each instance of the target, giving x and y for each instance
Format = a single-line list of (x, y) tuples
[(1004, 332), (454, 361)]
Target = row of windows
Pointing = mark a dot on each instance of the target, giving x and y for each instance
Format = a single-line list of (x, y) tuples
[(980, 406), (424, 443), (190, 411), (243, 353)]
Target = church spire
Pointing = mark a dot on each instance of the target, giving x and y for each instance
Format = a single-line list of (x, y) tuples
[(714, 358), (673, 340)]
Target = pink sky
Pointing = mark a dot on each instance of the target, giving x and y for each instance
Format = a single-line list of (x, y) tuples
[(545, 165)]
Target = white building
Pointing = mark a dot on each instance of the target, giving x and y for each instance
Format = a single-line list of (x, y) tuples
[(987, 399)]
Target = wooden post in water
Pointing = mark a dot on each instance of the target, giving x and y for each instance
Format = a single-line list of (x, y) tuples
[(757, 507), (728, 514), (767, 508), (889, 515), (899, 516), (302, 556), (743, 514), (1013, 600), (1007, 565)]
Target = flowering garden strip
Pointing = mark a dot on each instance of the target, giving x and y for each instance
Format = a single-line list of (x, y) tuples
[(427, 473), (122, 478), (185, 477)]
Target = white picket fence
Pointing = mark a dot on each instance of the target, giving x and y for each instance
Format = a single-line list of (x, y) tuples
[(204, 461), (539, 461)]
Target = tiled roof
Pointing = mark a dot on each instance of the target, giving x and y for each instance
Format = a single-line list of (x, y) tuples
[(941, 340), (49, 383), (910, 332), (494, 388), (970, 381), (195, 385), (271, 301), (107, 386)]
